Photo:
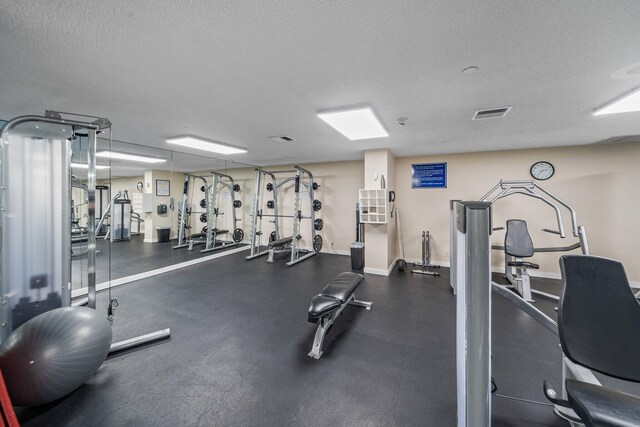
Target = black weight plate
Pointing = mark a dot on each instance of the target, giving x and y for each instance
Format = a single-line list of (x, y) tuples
[(269, 186), (238, 235), (317, 243), (203, 203), (203, 217), (318, 224), (317, 205), (272, 236), (237, 203), (270, 204), (236, 187)]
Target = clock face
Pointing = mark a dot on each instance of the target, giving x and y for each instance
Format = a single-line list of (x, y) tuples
[(542, 170)]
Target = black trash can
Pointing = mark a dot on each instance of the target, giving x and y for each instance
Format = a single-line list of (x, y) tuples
[(357, 255), (164, 234)]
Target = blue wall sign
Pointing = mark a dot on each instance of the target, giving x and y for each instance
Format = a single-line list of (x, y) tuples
[(429, 175)]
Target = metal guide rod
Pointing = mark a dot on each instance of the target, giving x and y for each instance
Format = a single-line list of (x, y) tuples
[(139, 340)]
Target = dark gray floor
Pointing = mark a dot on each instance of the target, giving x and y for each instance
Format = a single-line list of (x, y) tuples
[(238, 353), (129, 257)]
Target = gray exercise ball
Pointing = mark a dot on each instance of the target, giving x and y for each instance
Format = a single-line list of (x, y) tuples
[(53, 354)]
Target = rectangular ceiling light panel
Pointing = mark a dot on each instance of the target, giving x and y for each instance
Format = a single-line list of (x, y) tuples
[(201, 144), (127, 156), (626, 104), (86, 166), (360, 123)]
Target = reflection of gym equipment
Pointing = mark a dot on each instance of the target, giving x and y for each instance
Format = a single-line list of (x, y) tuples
[(118, 217), (519, 279), (426, 256), (66, 343), (470, 257), (303, 183), (325, 307), (211, 205)]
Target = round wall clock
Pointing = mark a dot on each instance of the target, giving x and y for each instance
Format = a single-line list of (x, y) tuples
[(542, 170)]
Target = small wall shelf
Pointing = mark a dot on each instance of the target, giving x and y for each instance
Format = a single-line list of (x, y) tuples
[(374, 206)]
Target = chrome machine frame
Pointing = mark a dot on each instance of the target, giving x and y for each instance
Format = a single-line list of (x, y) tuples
[(520, 280), (303, 181), (471, 279), (64, 267)]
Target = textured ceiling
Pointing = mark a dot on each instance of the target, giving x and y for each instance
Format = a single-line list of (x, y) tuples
[(240, 71)]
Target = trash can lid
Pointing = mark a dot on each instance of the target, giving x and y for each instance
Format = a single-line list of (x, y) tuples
[(357, 245), (163, 228)]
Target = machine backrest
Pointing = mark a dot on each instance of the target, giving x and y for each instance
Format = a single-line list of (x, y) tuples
[(517, 241), (599, 316)]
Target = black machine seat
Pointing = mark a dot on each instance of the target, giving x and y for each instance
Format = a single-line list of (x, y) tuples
[(333, 295), (524, 264), (280, 242), (600, 406), (598, 318), (517, 241)]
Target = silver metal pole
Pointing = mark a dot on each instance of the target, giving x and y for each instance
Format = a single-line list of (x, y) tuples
[(452, 244), (473, 313), (91, 218)]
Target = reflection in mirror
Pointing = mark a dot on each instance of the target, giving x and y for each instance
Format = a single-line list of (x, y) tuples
[(159, 208)]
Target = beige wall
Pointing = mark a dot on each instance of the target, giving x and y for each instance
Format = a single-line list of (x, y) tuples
[(599, 181)]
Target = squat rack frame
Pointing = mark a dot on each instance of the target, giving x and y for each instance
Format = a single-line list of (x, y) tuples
[(303, 182)]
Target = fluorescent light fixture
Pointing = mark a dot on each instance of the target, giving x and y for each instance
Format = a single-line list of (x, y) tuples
[(86, 166), (201, 144), (355, 123), (126, 156), (626, 104)]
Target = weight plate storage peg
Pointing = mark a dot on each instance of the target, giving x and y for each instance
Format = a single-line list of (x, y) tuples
[(237, 203), (203, 203), (203, 217), (269, 186), (236, 187), (317, 205), (204, 229), (270, 204), (238, 235), (318, 224), (272, 236), (317, 243)]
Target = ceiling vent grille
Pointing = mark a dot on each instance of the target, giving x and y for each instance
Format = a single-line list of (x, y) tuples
[(282, 138), (493, 113), (619, 139)]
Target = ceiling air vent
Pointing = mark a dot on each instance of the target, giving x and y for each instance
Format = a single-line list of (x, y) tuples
[(493, 113), (619, 139), (282, 138)]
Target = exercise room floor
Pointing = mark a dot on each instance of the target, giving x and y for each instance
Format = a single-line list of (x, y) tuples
[(239, 343)]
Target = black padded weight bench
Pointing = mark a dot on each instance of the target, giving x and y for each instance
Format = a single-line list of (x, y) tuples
[(278, 246), (325, 307)]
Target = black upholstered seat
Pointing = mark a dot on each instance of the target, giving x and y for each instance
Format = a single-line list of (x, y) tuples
[(321, 305), (598, 318), (601, 406), (342, 286), (524, 264), (333, 295)]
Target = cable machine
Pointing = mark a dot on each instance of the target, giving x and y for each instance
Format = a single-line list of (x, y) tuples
[(36, 273), (304, 188)]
